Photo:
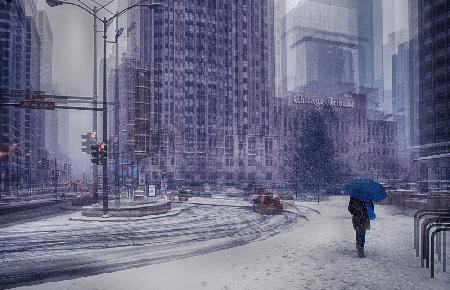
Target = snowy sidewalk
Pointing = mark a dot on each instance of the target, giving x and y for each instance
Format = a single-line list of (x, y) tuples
[(317, 255)]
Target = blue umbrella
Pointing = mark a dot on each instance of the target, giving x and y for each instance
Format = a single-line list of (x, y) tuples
[(365, 190)]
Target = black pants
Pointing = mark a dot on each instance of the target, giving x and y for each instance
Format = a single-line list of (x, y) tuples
[(360, 237)]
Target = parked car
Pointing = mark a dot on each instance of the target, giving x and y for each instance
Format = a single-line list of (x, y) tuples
[(267, 204)]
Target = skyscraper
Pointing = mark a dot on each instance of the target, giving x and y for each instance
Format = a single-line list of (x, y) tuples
[(329, 48), (12, 75), (401, 108), (204, 82), (51, 117), (33, 119), (390, 48), (22, 131), (430, 99), (279, 31)]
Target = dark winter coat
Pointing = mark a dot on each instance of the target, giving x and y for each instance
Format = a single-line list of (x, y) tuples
[(360, 217)]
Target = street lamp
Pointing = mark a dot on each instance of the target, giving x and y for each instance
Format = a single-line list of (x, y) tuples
[(28, 157), (106, 22), (93, 12), (115, 144)]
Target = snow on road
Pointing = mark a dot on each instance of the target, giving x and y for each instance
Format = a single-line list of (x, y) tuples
[(59, 249), (317, 255)]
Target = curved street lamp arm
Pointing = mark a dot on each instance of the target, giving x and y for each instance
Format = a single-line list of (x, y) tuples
[(82, 7), (103, 6), (84, 4), (140, 3)]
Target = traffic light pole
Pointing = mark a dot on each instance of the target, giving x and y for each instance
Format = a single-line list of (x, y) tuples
[(116, 119), (105, 21), (94, 116), (56, 179), (105, 124)]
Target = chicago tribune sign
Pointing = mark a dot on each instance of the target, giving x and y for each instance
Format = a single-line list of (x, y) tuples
[(334, 102)]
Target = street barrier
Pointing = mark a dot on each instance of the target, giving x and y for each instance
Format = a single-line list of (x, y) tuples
[(437, 223), (441, 228), (427, 224), (417, 216)]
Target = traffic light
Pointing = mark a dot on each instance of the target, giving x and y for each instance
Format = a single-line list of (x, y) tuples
[(47, 163), (88, 139), (69, 168), (57, 173), (103, 152), (53, 172), (65, 166), (94, 154), (84, 143)]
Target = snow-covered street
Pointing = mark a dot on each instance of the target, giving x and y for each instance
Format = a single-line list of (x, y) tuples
[(316, 255), (62, 248)]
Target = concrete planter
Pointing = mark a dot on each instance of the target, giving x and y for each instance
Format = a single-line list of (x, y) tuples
[(138, 210)]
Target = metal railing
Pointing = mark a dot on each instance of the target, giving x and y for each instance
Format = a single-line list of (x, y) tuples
[(417, 216), (427, 225), (437, 223), (443, 229)]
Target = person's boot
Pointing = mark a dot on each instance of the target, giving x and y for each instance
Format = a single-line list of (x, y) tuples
[(361, 252)]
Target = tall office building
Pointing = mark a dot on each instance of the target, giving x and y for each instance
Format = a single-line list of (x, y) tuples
[(279, 31), (414, 70), (378, 74), (202, 82), (33, 119), (329, 49), (401, 105), (51, 117), (22, 130), (12, 77), (428, 21), (390, 48)]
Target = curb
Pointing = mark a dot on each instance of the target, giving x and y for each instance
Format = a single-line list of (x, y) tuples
[(129, 219)]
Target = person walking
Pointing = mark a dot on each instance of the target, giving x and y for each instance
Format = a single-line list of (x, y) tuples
[(361, 222)]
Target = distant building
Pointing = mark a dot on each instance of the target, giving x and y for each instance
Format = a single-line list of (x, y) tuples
[(365, 146), (279, 31), (22, 131), (13, 23), (401, 109), (428, 20), (329, 48), (51, 117), (34, 120), (389, 50), (378, 74)]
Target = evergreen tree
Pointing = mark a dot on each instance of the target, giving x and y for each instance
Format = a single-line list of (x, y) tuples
[(313, 161)]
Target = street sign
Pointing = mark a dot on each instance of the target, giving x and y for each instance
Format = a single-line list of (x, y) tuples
[(39, 105), (18, 94), (141, 179), (37, 95), (60, 100), (152, 190)]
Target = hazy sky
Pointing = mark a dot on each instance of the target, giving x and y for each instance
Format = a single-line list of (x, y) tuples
[(73, 56), (73, 65)]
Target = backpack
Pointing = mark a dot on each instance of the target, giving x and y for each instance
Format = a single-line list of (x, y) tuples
[(370, 211)]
